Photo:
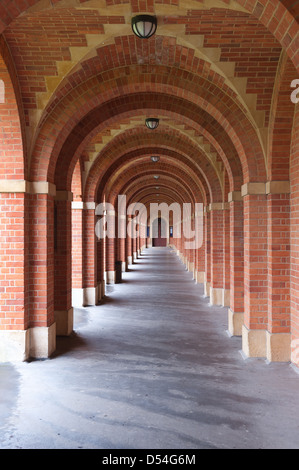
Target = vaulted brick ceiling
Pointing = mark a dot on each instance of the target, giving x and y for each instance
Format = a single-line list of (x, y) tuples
[(87, 83)]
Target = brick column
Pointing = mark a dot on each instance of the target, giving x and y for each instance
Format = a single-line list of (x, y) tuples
[(200, 261), (255, 270), (110, 248), (129, 252), (226, 256), (90, 284), (278, 333), (41, 272), (63, 264), (14, 312), (217, 253), (236, 310), (122, 242), (77, 253), (207, 278)]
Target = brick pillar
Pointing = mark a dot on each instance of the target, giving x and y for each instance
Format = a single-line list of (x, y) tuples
[(278, 332), (134, 247), (294, 268), (122, 242), (255, 270), (14, 313), (236, 310), (41, 272), (90, 284), (217, 253), (226, 255), (207, 281), (77, 254), (129, 252), (100, 268), (200, 260), (63, 264)]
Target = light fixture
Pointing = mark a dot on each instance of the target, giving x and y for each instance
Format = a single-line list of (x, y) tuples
[(152, 123), (144, 26), (156, 177), (155, 159)]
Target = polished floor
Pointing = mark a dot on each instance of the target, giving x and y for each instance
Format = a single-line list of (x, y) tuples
[(151, 368)]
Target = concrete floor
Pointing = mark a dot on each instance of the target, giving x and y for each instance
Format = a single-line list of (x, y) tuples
[(151, 368)]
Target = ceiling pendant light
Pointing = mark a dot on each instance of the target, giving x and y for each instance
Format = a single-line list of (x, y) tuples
[(155, 159), (144, 26), (156, 177), (152, 123)]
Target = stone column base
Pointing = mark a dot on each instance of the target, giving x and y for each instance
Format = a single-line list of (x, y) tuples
[(216, 296), (278, 347), (226, 297), (123, 266), (220, 296), (20, 345), (64, 322), (254, 342), (206, 289), (199, 277), (130, 260), (134, 255), (235, 323), (90, 296), (77, 297), (42, 341), (14, 345), (110, 277), (190, 266)]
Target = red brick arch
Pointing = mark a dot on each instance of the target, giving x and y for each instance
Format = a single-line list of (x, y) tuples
[(131, 145), (279, 17), (134, 186), (188, 110)]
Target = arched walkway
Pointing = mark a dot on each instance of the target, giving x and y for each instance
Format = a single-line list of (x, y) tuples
[(164, 376)]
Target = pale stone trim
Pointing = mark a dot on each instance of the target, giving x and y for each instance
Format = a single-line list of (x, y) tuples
[(278, 347), (13, 186), (14, 345), (64, 322), (200, 277), (64, 196), (42, 187), (234, 196), (110, 277), (42, 341), (20, 345), (77, 205), (77, 297), (254, 342), (235, 322), (253, 188), (89, 205), (226, 297), (218, 206), (278, 187), (216, 296), (90, 296)]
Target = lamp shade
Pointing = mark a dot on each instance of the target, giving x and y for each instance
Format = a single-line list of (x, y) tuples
[(155, 158), (144, 26), (152, 123)]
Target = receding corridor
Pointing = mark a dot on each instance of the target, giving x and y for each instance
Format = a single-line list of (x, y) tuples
[(152, 367)]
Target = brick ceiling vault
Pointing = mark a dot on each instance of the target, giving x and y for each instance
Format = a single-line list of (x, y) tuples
[(85, 84)]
